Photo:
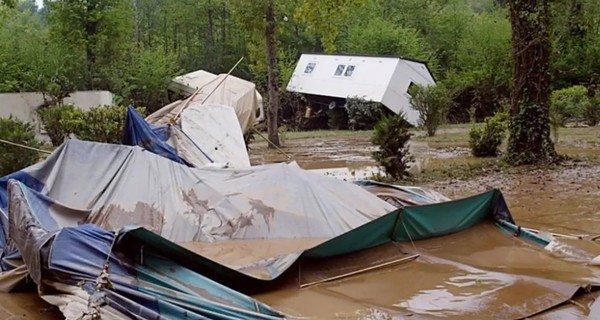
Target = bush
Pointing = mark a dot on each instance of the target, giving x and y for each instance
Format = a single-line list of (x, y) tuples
[(592, 113), (337, 119), (364, 114), (392, 136), (101, 124), (568, 104), (432, 103), (13, 158), (60, 121), (485, 140)]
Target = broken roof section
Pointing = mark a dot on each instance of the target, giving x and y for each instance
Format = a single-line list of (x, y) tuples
[(208, 88)]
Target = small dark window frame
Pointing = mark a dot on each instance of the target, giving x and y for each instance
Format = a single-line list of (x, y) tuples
[(349, 70), (310, 67), (339, 71)]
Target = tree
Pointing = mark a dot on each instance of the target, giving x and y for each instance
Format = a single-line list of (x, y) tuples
[(98, 32), (326, 18), (529, 140), (481, 69), (432, 103), (576, 43), (382, 37), (260, 19), (273, 82)]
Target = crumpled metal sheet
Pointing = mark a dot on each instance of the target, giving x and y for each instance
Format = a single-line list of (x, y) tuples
[(402, 196)]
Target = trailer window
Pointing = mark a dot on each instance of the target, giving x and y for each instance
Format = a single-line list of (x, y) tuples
[(310, 67), (349, 71), (340, 69)]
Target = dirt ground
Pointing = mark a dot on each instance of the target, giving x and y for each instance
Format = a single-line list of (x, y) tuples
[(558, 199)]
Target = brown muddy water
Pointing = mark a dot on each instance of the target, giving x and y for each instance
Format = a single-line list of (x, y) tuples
[(481, 273)]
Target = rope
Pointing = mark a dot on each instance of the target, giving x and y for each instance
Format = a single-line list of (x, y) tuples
[(24, 146), (409, 237)]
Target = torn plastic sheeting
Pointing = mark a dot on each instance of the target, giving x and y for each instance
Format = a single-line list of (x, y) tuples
[(159, 258)]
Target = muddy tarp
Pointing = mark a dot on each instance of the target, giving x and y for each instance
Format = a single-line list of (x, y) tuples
[(155, 288), (203, 135), (223, 89), (123, 185)]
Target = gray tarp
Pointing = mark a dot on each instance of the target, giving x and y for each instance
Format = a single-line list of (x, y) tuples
[(122, 185)]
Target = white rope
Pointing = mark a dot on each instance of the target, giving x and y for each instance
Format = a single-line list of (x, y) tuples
[(24, 146), (409, 237)]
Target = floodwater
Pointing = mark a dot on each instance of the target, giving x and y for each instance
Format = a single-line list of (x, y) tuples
[(481, 273), (478, 274)]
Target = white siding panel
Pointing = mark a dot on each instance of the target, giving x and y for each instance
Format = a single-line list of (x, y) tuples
[(369, 79)]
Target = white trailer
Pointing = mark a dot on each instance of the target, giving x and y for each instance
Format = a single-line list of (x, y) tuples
[(380, 79)]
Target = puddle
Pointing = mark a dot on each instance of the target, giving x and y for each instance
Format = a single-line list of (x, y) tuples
[(350, 174)]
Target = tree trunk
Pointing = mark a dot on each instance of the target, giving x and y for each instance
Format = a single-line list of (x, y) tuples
[(273, 79), (529, 140)]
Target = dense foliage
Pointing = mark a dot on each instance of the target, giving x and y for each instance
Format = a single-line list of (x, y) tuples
[(569, 105), (363, 114), (14, 158), (102, 124), (133, 47), (392, 136)]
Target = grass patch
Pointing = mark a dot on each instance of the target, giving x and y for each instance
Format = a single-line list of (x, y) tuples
[(458, 168)]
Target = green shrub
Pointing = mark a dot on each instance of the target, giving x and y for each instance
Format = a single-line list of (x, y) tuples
[(364, 114), (485, 140), (392, 136), (101, 124), (104, 124), (569, 104), (432, 103), (337, 119), (13, 158), (60, 121), (592, 113)]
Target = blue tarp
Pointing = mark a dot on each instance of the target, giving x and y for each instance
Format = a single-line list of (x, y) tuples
[(157, 289), (152, 138)]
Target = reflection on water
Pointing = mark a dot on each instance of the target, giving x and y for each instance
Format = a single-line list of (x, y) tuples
[(457, 297)]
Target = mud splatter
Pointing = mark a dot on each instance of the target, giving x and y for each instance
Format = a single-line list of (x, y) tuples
[(114, 216), (268, 213)]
